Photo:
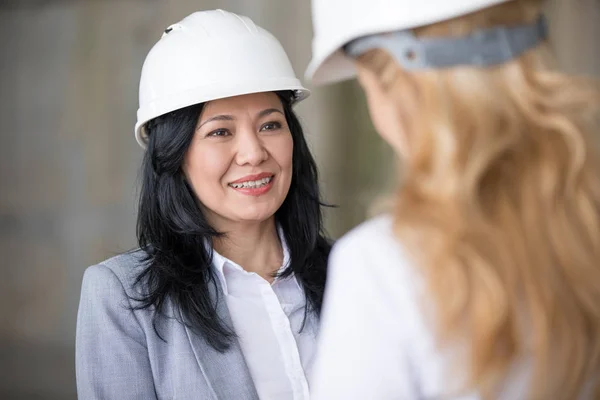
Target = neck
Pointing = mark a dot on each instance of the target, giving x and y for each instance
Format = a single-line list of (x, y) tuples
[(255, 247)]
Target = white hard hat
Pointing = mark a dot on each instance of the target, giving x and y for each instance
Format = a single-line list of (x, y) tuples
[(211, 55), (338, 22)]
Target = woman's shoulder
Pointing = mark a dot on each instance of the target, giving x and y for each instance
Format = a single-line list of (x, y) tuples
[(372, 252), (372, 236), (380, 226), (122, 270)]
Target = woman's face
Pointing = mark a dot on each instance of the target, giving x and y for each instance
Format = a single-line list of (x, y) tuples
[(383, 111), (239, 162)]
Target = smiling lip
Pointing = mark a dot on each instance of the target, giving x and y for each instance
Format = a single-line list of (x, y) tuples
[(256, 177), (254, 191)]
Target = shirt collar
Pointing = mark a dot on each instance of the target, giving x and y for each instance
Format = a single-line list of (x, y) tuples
[(220, 262)]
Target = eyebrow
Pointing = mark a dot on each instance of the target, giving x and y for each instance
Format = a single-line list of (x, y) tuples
[(268, 111), (226, 117)]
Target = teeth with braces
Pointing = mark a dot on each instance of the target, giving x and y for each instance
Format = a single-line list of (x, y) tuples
[(251, 184)]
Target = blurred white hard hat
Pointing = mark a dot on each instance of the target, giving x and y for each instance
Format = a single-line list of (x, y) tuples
[(338, 22), (211, 55)]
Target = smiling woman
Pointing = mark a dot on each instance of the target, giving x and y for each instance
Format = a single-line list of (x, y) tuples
[(240, 160), (222, 299)]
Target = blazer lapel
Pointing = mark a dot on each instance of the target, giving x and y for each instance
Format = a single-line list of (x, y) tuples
[(227, 373)]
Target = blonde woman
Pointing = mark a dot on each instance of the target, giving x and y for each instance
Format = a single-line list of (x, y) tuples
[(484, 281)]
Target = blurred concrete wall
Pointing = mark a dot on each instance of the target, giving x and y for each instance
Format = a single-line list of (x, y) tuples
[(68, 162)]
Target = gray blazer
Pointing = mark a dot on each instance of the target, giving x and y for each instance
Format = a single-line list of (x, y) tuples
[(119, 356)]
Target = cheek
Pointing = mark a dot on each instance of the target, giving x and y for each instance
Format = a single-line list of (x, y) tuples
[(377, 115), (386, 119), (281, 149), (205, 167), (384, 114), (386, 123)]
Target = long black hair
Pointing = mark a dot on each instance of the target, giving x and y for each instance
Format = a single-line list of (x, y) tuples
[(172, 231)]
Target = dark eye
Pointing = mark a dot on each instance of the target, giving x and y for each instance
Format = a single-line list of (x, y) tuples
[(219, 133), (270, 126)]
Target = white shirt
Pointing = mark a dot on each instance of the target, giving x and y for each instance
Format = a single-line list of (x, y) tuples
[(267, 319), (375, 342)]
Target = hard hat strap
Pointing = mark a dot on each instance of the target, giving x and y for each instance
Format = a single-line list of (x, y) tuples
[(485, 47)]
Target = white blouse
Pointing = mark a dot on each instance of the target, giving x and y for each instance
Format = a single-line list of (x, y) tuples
[(267, 319), (375, 342)]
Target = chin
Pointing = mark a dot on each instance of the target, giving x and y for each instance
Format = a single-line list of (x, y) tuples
[(257, 214)]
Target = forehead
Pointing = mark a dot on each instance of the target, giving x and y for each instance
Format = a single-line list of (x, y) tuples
[(247, 103)]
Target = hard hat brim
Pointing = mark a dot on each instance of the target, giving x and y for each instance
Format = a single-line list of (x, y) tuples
[(329, 64), (331, 67)]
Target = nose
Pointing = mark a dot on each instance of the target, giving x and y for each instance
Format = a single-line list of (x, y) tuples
[(250, 148)]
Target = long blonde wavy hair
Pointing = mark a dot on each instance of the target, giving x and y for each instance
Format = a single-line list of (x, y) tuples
[(500, 207)]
